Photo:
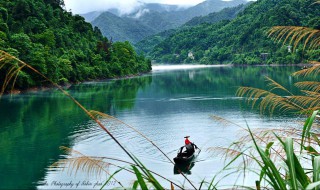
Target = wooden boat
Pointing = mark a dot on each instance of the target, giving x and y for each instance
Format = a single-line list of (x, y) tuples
[(184, 168), (185, 158)]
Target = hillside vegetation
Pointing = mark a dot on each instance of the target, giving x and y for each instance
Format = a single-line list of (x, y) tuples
[(60, 45), (229, 13), (242, 40), (150, 19)]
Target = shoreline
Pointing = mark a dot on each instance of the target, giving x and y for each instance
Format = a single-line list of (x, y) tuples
[(67, 85), (155, 67)]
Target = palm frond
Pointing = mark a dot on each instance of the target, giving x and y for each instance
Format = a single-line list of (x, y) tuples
[(274, 85), (269, 102), (313, 86), (296, 34), (11, 68), (252, 94), (306, 103), (312, 71), (89, 165)]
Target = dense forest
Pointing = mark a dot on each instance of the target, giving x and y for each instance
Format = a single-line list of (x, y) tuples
[(242, 40), (229, 13), (62, 46)]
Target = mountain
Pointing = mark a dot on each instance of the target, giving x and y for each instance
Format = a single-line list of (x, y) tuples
[(89, 17), (122, 29), (242, 40), (225, 14), (205, 8), (160, 7), (155, 18), (60, 45), (145, 46), (155, 7)]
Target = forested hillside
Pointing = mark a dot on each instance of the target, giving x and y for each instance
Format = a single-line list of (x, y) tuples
[(243, 40), (62, 46), (145, 46), (150, 19), (225, 14), (122, 29)]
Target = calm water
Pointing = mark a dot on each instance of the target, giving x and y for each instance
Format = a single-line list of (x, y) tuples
[(165, 105)]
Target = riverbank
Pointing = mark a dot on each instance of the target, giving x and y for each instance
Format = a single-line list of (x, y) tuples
[(156, 67), (68, 85)]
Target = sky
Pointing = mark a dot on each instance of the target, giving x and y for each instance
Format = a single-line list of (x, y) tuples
[(125, 6)]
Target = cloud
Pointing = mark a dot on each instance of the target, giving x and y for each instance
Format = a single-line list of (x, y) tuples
[(84, 6), (124, 6)]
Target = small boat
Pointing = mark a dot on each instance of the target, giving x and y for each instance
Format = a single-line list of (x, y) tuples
[(180, 158), (184, 157)]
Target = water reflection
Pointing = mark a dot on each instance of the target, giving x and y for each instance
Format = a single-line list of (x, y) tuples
[(183, 168), (164, 105), (34, 126)]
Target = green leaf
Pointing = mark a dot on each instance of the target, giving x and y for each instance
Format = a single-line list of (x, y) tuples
[(269, 145), (315, 137), (111, 177), (142, 183), (202, 182), (135, 185), (151, 179), (290, 162), (306, 128), (263, 169), (316, 170), (313, 185), (311, 150), (301, 175), (271, 170)]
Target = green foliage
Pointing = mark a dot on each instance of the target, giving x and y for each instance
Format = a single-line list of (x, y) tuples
[(139, 25), (63, 47), (225, 14), (242, 40)]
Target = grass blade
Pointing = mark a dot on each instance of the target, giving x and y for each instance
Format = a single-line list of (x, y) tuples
[(135, 185), (301, 175), (111, 177), (316, 170), (271, 170), (313, 185), (151, 178), (307, 128), (290, 162), (142, 183)]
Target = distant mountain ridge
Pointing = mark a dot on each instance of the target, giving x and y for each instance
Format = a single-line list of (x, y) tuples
[(90, 16), (154, 18), (122, 29), (225, 14), (146, 45)]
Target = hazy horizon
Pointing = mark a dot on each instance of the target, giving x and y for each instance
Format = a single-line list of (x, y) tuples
[(124, 6)]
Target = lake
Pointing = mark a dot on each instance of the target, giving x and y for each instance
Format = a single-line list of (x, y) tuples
[(165, 105)]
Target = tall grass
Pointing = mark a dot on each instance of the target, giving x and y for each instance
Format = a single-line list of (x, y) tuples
[(280, 159)]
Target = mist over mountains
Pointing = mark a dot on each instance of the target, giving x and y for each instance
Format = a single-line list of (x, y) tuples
[(151, 18)]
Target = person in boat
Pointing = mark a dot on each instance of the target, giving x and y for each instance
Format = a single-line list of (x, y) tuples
[(189, 146)]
